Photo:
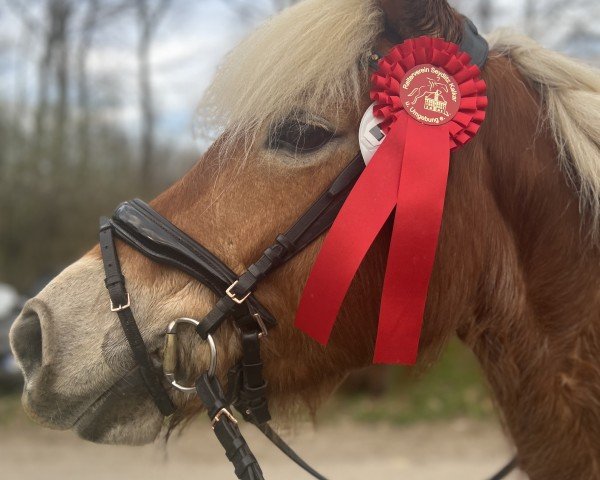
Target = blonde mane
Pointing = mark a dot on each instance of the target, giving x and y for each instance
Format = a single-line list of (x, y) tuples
[(570, 92), (312, 54)]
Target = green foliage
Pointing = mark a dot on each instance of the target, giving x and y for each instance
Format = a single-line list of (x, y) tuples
[(452, 388), (49, 207)]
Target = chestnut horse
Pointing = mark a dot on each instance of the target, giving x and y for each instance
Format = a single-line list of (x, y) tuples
[(517, 271)]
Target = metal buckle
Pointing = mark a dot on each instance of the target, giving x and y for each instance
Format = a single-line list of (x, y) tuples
[(170, 354), (264, 332), (220, 413), (263, 328), (231, 295), (120, 308)]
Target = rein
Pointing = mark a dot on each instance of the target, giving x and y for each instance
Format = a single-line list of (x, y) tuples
[(145, 230)]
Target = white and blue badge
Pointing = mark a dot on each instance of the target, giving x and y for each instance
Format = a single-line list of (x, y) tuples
[(370, 135)]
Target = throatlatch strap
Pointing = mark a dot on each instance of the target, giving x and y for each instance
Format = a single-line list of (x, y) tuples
[(120, 304)]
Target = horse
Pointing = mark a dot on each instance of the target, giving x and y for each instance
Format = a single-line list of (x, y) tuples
[(434, 88), (516, 274)]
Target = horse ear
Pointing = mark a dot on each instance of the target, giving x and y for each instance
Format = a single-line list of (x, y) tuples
[(412, 18)]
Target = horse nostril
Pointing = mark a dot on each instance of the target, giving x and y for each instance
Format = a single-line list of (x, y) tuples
[(26, 342)]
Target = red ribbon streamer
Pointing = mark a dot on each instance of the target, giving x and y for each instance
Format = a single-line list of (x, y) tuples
[(414, 240), (409, 172), (367, 208)]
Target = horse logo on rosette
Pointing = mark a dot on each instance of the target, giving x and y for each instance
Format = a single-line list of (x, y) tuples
[(430, 95), (434, 100)]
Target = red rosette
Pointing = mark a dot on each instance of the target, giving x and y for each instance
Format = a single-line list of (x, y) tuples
[(432, 101), (393, 68)]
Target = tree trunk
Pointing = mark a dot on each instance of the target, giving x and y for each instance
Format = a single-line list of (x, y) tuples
[(146, 106), (43, 88), (63, 11), (83, 94), (149, 16)]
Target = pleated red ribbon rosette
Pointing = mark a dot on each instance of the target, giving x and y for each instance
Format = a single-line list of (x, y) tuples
[(431, 100)]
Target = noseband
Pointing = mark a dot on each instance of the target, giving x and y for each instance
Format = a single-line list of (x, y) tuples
[(145, 230)]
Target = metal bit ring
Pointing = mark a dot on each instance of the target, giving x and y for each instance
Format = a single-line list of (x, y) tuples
[(170, 354)]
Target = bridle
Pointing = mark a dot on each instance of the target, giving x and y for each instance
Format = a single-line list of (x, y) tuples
[(138, 225), (145, 230)]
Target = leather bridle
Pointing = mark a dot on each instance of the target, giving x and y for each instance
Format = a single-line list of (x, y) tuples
[(142, 228)]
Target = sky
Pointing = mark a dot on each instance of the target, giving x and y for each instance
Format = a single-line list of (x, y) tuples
[(191, 41)]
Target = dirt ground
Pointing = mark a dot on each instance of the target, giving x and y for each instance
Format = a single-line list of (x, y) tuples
[(461, 449)]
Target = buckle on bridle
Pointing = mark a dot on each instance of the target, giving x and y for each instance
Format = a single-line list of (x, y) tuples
[(217, 418), (264, 332), (120, 308), (231, 295), (263, 328)]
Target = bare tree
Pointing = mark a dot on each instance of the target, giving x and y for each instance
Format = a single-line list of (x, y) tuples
[(96, 14), (53, 29), (61, 13), (26, 39), (35, 27), (148, 15), (88, 28), (544, 20)]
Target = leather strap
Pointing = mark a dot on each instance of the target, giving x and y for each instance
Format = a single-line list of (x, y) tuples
[(220, 311), (227, 432), (252, 401), (311, 225), (474, 44), (506, 470), (247, 393), (288, 451), (239, 399), (120, 303)]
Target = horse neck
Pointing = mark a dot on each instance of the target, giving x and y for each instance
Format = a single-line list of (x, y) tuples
[(535, 326)]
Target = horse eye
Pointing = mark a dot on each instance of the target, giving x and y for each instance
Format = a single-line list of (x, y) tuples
[(297, 137)]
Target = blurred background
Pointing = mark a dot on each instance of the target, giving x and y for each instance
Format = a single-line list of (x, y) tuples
[(97, 101)]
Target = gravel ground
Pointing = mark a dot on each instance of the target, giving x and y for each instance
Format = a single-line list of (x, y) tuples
[(460, 449)]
